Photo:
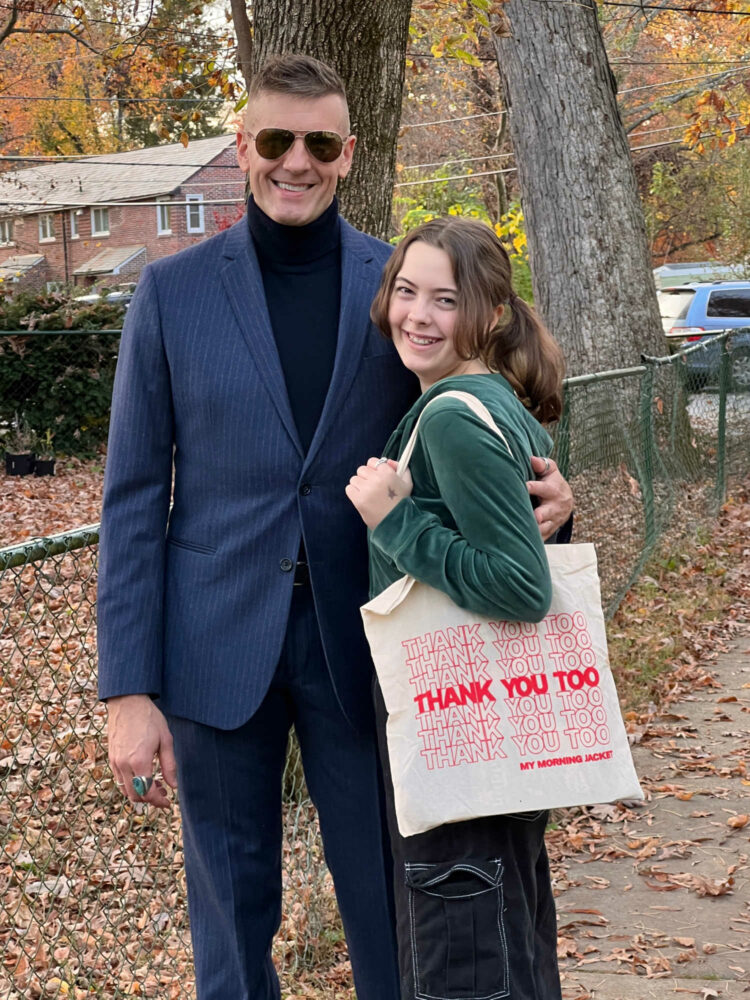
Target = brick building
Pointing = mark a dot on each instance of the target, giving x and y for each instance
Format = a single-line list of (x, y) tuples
[(101, 218)]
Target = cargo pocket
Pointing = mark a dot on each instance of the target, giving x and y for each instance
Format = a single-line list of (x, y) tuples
[(458, 945)]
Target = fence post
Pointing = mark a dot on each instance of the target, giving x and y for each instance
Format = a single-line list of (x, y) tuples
[(725, 375), (562, 449), (646, 420)]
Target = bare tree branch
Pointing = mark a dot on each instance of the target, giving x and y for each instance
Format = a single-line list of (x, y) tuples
[(10, 25), (55, 31), (656, 108)]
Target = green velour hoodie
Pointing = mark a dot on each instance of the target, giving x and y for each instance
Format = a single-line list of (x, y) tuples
[(468, 529)]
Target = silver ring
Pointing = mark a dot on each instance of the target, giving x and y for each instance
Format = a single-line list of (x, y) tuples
[(120, 784), (547, 466), (141, 784), (380, 461)]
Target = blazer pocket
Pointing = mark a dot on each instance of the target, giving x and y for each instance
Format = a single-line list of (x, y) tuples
[(180, 543)]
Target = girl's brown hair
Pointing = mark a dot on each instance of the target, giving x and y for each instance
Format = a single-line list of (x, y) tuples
[(518, 346)]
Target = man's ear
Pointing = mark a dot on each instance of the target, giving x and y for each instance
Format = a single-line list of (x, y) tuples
[(347, 153), (243, 151)]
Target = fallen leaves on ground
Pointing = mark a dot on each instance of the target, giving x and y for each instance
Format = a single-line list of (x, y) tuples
[(31, 506)]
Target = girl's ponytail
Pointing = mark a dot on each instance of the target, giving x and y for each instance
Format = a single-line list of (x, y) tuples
[(522, 349)]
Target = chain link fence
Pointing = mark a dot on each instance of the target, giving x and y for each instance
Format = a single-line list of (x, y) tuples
[(92, 888), (648, 451), (92, 891)]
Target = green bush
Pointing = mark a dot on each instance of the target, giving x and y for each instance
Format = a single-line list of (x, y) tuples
[(61, 382)]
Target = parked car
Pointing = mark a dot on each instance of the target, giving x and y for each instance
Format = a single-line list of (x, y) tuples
[(693, 312), (117, 295)]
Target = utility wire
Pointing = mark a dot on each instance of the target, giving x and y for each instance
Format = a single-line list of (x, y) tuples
[(659, 7), (683, 79), (408, 125), (677, 62), (447, 121), (457, 159), (58, 206), (119, 100)]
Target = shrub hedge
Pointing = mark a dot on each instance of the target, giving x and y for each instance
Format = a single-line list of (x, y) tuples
[(56, 377)]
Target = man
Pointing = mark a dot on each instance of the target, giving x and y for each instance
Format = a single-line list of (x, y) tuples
[(249, 365)]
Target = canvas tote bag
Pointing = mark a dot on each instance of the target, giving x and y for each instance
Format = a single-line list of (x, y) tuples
[(490, 716)]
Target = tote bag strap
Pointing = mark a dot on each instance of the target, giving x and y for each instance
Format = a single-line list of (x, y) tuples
[(475, 405)]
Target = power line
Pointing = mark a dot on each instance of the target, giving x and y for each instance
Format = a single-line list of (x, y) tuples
[(683, 79), (59, 206), (457, 159), (446, 121), (659, 7), (87, 158), (118, 100), (457, 177), (677, 62), (408, 125)]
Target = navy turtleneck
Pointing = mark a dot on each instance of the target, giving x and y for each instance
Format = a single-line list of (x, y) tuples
[(301, 270)]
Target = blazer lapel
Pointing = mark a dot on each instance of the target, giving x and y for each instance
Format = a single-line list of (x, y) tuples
[(244, 288), (357, 289)]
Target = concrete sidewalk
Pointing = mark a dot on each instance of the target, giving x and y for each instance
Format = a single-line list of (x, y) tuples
[(655, 903)]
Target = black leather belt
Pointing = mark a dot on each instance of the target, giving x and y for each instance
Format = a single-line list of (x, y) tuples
[(301, 574)]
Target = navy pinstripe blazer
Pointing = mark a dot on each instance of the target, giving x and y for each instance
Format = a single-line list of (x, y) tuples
[(193, 606)]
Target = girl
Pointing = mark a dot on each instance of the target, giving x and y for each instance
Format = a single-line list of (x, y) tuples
[(474, 906)]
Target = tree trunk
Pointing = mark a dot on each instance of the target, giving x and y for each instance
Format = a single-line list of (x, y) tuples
[(588, 249), (365, 40)]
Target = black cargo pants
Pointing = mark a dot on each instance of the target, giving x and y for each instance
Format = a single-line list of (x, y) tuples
[(474, 906)]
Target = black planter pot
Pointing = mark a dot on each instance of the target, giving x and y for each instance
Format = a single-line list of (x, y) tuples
[(19, 465), (44, 467)]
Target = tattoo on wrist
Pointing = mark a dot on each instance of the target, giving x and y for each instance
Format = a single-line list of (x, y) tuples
[(391, 493)]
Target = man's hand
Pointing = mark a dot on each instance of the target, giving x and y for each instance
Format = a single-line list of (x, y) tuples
[(376, 489), (556, 497), (137, 733)]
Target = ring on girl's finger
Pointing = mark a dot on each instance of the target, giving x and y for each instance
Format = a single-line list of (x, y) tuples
[(380, 461), (546, 466)]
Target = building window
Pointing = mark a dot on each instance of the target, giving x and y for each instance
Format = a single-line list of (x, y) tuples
[(194, 211), (74, 234), (100, 222), (163, 217), (55, 286), (46, 228), (6, 231)]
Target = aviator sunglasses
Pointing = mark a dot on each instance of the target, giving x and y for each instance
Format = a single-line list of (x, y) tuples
[(272, 143)]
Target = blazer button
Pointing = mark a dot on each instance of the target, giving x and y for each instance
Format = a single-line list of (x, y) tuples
[(305, 489), (286, 565)]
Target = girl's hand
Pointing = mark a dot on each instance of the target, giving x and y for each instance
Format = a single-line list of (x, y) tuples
[(376, 489)]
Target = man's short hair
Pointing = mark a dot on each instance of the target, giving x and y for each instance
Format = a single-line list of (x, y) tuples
[(297, 75)]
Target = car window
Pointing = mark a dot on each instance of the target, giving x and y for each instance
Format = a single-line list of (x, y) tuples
[(675, 305), (733, 302)]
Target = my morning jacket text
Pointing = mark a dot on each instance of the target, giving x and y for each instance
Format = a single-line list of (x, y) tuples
[(538, 685)]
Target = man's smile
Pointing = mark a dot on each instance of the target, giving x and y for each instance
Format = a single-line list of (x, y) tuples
[(286, 186)]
